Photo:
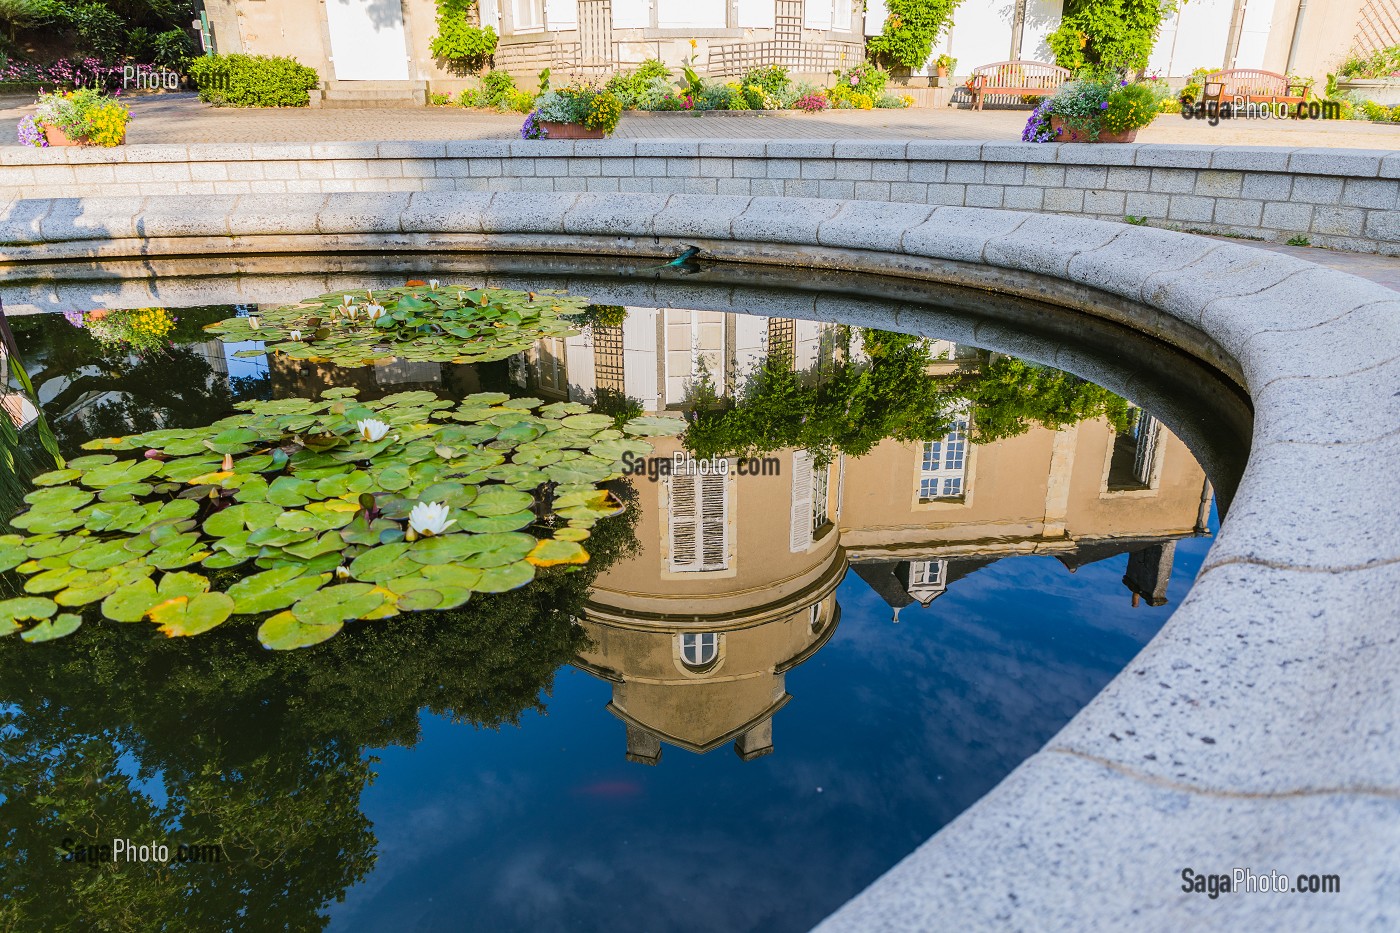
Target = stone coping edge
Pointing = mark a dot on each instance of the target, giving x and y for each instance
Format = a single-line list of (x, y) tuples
[(1354, 163), (1258, 729)]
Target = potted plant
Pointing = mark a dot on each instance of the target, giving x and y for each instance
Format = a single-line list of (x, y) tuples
[(1093, 112), (945, 65), (85, 117), (573, 112)]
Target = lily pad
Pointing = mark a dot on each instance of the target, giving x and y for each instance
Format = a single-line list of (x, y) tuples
[(337, 604), (274, 589), (283, 632), (191, 615), (65, 624)]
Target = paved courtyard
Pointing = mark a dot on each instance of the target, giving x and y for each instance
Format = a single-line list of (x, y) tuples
[(182, 118)]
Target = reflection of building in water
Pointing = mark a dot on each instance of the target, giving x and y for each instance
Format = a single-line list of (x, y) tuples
[(733, 585)]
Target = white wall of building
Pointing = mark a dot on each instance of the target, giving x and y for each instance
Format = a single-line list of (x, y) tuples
[(1195, 37)]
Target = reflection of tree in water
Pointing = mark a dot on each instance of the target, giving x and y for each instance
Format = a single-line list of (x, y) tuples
[(104, 391), (261, 752), (853, 404)]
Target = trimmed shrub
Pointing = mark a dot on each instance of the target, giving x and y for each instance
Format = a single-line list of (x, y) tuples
[(253, 81)]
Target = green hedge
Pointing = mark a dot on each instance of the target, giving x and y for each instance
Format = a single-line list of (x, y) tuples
[(253, 81)]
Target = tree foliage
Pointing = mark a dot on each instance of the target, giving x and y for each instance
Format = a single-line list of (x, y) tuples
[(910, 30), (1108, 36), (1007, 396)]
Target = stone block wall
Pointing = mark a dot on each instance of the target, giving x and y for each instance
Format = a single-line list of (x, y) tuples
[(1345, 199)]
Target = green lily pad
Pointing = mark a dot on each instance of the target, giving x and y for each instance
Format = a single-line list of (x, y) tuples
[(510, 577), (501, 500), (553, 552), (655, 427), (24, 609), (65, 624), (484, 524), (337, 604), (191, 615), (381, 563), (274, 589), (283, 632), (131, 603)]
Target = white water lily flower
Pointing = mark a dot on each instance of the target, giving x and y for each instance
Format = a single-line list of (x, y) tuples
[(375, 311), (295, 335), (347, 300), (433, 284), (371, 429), (351, 311), (254, 321), (429, 518)]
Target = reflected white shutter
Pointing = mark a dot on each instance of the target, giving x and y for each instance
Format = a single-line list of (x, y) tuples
[(801, 527), (714, 521), (699, 518), (756, 14)]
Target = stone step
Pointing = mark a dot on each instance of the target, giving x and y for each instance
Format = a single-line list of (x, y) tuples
[(386, 94)]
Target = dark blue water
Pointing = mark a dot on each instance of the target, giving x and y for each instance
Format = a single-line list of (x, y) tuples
[(892, 731), (454, 771)]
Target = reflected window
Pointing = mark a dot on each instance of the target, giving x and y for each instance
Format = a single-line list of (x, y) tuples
[(1134, 460), (811, 486), (698, 512), (699, 650), (943, 464)]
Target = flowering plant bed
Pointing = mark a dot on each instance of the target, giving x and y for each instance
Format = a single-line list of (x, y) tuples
[(143, 330), (1094, 111), (573, 112), (85, 117)]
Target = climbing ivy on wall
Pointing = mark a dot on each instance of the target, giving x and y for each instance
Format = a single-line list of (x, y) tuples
[(463, 44)]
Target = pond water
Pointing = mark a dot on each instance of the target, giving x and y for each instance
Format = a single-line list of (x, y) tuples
[(766, 687)]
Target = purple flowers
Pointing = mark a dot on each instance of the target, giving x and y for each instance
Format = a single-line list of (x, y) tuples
[(32, 134), (1103, 105), (533, 127), (1038, 126), (74, 317)]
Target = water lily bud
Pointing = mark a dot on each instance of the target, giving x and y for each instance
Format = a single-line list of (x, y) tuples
[(254, 321)]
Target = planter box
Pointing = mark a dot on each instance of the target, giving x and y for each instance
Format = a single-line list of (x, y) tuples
[(569, 131), (1068, 134), (1384, 91), (56, 137)]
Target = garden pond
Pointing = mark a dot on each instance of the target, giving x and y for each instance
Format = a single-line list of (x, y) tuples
[(721, 610)]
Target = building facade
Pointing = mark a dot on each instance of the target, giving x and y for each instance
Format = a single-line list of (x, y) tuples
[(386, 43)]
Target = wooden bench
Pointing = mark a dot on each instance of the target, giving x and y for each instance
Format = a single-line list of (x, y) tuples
[(1018, 78), (1252, 86)]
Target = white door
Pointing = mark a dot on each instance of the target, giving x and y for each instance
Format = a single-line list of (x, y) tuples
[(367, 40)]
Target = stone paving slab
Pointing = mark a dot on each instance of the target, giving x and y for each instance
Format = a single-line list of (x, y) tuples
[(183, 118)]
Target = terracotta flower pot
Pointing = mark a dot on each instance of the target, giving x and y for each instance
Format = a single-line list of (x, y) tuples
[(569, 131), (56, 137), (1065, 133)]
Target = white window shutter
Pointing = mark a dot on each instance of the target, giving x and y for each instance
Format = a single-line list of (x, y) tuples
[(714, 521), (699, 518), (801, 527), (683, 513)]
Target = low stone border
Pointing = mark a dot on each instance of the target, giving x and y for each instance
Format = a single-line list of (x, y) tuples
[(1340, 198), (1257, 730)]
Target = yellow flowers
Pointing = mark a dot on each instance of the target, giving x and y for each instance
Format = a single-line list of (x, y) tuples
[(142, 330)]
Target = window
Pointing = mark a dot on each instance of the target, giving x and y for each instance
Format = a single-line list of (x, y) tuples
[(943, 467), (529, 15), (698, 511), (927, 579), (700, 649), (694, 353), (1133, 460), (810, 491)]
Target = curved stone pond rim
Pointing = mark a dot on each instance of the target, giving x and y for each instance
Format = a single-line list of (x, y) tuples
[(1259, 728)]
